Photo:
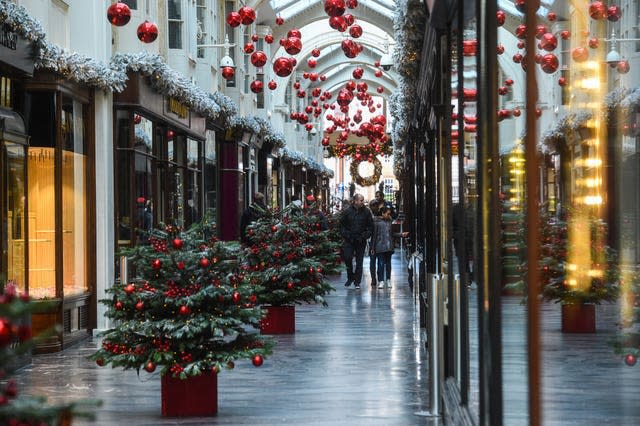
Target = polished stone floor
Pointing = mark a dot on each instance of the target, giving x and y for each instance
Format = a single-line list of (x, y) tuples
[(361, 361)]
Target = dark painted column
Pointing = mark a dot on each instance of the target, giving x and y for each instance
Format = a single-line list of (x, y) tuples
[(231, 190)]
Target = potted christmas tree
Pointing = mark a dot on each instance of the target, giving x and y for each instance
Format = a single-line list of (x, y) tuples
[(287, 258), (15, 343), (189, 312)]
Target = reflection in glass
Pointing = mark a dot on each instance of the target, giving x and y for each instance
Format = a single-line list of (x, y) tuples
[(15, 266)]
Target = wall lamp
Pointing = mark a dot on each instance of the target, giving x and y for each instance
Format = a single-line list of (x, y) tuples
[(226, 62)]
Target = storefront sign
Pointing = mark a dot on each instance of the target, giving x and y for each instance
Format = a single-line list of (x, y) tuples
[(177, 109), (16, 51)]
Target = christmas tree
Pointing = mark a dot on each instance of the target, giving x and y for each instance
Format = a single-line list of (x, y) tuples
[(287, 258), (15, 343), (627, 343), (189, 309)]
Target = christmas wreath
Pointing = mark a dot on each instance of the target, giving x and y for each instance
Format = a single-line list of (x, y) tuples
[(368, 181)]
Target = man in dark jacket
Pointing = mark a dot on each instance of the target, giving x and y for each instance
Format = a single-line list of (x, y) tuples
[(255, 211), (356, 226)]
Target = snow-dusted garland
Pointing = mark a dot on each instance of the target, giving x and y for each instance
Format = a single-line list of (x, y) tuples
[(551, 137), (298, 158), (408, 26), (113, 76)]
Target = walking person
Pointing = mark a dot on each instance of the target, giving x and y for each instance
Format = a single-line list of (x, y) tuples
[(374, 206), (382, 242), (356, 227)]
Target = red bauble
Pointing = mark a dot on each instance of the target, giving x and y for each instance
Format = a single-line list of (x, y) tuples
[(508, 82), (258, 59), (521, 31), (204, 262), (355, 31), (249, 48), (149, 367), (565, 34), (228, 73), (334, 7), (279, 20), (100, 362), (147, 32), (623, 66), (177, 243), (562, 81), (548, 42), (282, 67), (312, 63), (380, 89), (597, 10), (630, 360), (255, 38), (119, 305), (580, 54), (137, 118), (521, 5), (503, 113), (499, 49), (236, 297), (247, 15), (551, 16), (594, 43), (184, 310), (315, 52), (272, 85), (614, 13), (119, 14), (352, 4), (345, 97), (257, 360), (180, 265), (501, 17), (268, 38), (294, 32), (293, 45), (549, 63), (357, 73), (156, 264), (349, 19), (516, 112), (325, 141), (5, 332), (234, 19), (129, 288), (503, 90), (541, 30), (140, 305), (338, 23), (256, 86)]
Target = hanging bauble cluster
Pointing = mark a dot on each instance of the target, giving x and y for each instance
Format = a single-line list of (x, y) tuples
[(119, 15)]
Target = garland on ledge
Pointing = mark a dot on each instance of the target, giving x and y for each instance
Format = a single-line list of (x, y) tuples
[(368, 181)]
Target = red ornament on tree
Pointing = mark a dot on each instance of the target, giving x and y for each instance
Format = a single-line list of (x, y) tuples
[(147, 32), (156, 264), (118, 305), (100, 362), (149, 367), (247, 15), (140, 305), (258, 59), (334, 7), (119, 14), (177, 243), (236, 297), (256, 86), (204, 262), (257, 360), (129, 288), (630, 360), (185, 310)]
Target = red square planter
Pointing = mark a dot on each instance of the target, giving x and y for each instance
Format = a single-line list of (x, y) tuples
[(279, 320), (579, 318), (194, 396)]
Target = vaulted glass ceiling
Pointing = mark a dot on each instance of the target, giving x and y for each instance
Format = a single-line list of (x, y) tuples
[(290, 8)]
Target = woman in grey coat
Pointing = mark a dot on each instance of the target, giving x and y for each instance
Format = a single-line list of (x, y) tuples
[(382, 244)]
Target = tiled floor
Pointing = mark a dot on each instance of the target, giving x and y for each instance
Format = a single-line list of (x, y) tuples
[(361, 361)]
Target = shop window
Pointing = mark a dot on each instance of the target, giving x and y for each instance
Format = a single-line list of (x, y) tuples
[(192, 183), (210, 178), (174, 8), (12, 233), (260, 96), (133, 4)]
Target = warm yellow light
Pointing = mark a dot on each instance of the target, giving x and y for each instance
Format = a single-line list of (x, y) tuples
[(592, 182), (572, 267), (572, 283), (590, 83), (588, 162), (593, 200), (595, 273)]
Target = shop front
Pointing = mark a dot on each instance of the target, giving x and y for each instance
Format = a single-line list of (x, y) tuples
[(162, 149)]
